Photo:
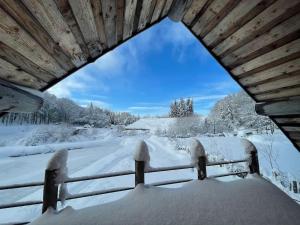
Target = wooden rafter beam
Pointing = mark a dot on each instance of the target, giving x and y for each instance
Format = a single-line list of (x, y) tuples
[(278, 108), (178, 9), (18, 99)]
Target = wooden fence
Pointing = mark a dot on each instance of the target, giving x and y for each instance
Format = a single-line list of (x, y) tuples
[(50, 190)]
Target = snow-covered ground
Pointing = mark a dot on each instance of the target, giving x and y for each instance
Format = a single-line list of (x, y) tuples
[(95, 151)]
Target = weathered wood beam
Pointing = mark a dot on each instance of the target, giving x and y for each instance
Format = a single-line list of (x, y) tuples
[(179, 9), (18, 99), (278, 108)]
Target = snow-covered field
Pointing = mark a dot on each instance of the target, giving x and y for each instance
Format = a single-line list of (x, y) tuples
[(25, 151)]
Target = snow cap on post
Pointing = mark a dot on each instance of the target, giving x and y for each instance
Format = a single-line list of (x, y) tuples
[(142, 153), (249, 146), (197, 150), (59, 162)]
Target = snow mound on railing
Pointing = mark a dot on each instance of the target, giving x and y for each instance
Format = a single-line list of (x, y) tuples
[(142, 153)]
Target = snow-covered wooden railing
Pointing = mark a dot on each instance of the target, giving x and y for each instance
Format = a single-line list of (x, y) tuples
[(55, 174)]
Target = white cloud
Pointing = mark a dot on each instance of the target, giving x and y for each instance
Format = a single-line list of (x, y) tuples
[(207, 97), (87, 102)]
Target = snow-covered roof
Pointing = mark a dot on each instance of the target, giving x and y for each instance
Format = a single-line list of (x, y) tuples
[(247, 201)]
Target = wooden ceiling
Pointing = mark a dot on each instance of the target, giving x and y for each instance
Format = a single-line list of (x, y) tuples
[(256, 41)]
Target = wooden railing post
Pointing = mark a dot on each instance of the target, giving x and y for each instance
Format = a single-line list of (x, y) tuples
[(50, 190), (254, 165), (202, 168), (139, 172)]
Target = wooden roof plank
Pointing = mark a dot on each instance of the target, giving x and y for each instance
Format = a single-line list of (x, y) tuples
[(273, 85), (65, 9), (279, 94), (146, 13), (213, 10), (83, 13), (167, 7), (47, 13), (270, 59), (194, 9), (291, 128), (22, 16), (13, 35), (120, 19), (290, 67), (129, 18), (13, 74), (279, 35), (278, 108), (22, 63), (293, 120), (98, 15), (274, 14), (109, 9), (240, 15), (158, 10)]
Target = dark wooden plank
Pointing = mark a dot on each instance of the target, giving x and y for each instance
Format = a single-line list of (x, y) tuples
[(192, 12), (146, 13), (178, 9), (11, 73), (109, 9), (158, 10), (97, 11), (285, 82), (213, 9), (291, 128), (120, 19), (23, 63), (14, 36), (294, 135), (21, 14), (167, 7), (291, 120), (273, 15), (129, 18), (16, 99), (53, 22), (286, 69), (65, 9), (278, 94), (83, 13), (273, 58), (278, 108), (285, 32), (240, 15)]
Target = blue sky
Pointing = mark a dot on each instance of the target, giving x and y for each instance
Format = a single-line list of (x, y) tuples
[(146, 73)]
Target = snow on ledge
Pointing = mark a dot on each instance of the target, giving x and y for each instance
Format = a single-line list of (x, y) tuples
[(249, 146), (247, 201), (142, 153)]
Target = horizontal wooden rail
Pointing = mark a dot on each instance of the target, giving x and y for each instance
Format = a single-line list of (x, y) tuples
[(168, 168), (226, 162), (100, 176), (228, 174), (170, 182), (24, 185), (20, 204)]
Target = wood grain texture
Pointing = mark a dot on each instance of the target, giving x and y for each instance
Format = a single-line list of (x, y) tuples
[(48, 15), (98, 16), (22, 63), (120, 19), (276, 37), (146, 13), (22, 15), (109, 9), (274, 14), (241, 14), (279, 94), (66, 11), (270, 59), (13, 35), (158, 10), (83, 13), (129, 18), (212, 11), (289, 68), (167, 7), (293, 120), (194, 9), (11, 73)]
